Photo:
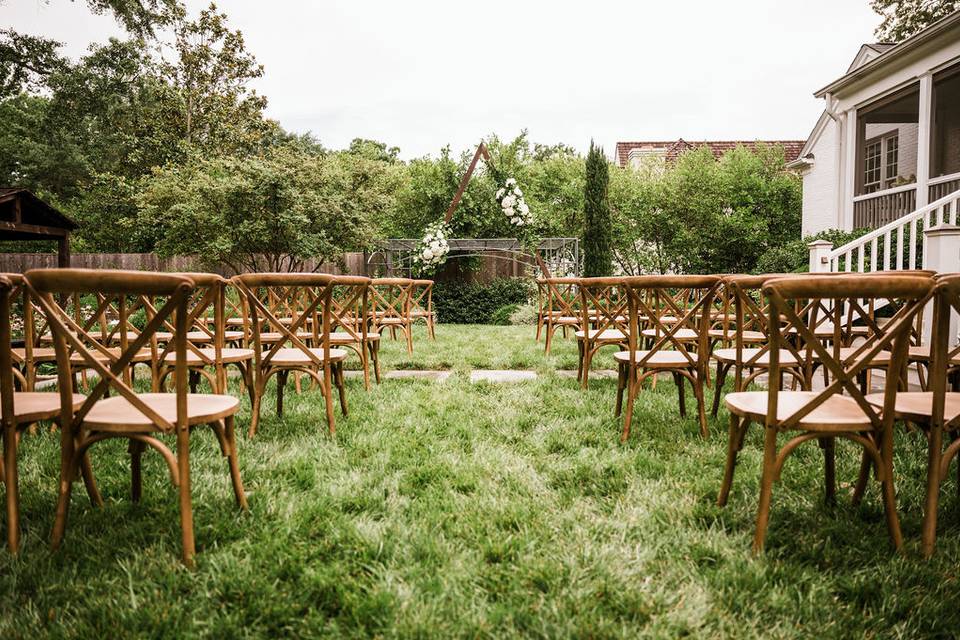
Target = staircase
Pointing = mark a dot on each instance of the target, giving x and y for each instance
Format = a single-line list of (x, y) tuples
[(899, 245)]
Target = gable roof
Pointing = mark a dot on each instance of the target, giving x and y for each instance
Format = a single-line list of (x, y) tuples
[(35, 213), (887, 52), (868, 51), (673, 148)]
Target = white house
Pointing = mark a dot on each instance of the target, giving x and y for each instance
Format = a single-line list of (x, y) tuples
[(888, 141)]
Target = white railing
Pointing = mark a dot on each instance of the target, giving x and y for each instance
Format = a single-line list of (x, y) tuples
[(898, 245)]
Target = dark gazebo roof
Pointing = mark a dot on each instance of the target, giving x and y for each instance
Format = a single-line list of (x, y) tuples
[(24, 216)]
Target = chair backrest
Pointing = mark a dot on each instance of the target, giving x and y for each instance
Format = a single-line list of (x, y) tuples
[(422, 300), (604, 304), (944, 346), (686, 300), (6, 362), (312, 312), (350, 306), (207, 297), (119, 288), (563, 297), (795, 304), (391, 299)]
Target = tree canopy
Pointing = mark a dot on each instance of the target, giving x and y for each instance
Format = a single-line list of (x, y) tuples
[(903, 18)]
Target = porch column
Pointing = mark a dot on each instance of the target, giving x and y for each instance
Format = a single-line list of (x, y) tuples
[(924, 132), (819, 255), (849, 170), (943, 255)]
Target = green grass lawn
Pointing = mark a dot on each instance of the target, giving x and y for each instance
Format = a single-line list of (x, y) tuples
[(466, 510)]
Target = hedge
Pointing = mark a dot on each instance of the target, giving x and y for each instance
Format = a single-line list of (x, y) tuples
[(467, 303)]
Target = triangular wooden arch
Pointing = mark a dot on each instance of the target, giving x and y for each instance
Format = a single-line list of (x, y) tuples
[(483, 153)]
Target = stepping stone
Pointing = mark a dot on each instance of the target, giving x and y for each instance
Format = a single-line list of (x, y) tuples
[(413, 374), (594, 375), (502, 375)]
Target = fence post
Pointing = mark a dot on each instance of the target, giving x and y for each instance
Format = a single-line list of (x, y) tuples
[(819, 256), (943, 256)]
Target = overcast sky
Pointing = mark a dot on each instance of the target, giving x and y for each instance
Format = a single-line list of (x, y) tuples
[(419, 74)]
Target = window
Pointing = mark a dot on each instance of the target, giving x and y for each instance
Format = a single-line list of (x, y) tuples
[(892, 144), (871, 174)]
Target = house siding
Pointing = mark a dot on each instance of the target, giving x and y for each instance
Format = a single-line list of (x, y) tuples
[(820, 184)]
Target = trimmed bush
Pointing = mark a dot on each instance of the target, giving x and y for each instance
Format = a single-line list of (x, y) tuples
[(502, 315), (471, 303)]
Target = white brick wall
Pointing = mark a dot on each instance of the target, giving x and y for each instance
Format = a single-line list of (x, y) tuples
[(820, 185)]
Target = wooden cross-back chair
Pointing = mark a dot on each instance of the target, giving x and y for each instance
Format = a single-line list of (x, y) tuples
[(310, 351), (20, 409), (27, 358), (390, 307), (839, 410), (936, 410), (421, 306), (141, 418), (604, 318), (563, 307), (675, 311), (207, 338), (749, 357), (349, 310)]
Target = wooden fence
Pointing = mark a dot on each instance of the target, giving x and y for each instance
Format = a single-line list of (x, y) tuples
[(490, 267)]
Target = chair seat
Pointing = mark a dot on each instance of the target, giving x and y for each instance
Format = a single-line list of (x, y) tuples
[(421, 314), (787, 359), (227, 355), (837, 413), (40, 354), (395, 321), (606, 334), (917, 406), (570, 320), (679, 334), (921, 353), (117, 414), (30, 406), (882, 359), (748, 336), (659, 360), (825, 331), (276, 336), (345, 337), (297, 357), (200, 337)]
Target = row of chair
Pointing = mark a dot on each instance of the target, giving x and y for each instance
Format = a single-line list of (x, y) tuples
[(850, 329), (99, 328)]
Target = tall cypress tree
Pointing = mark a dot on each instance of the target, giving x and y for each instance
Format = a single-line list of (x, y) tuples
[(597, 227)]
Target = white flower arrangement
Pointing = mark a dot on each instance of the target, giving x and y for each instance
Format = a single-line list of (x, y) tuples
[(433, 249), (511, 201)]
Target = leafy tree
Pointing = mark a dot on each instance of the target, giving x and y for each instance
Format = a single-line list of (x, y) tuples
[(903, 18), (26, 61), (597, 251), (270, 212), (374, 150), (211, 77)]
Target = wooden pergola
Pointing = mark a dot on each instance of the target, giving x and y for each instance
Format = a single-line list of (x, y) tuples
[(24, 216)]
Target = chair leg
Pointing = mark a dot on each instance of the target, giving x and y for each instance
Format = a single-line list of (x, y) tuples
[(328, 397), (734, 443), (546, 350), (341, 387), (766, 489), (718, 387), (67, 473), (12, 489), (375, 353), (621, 383), (701, 405), (281, 382), (889, 493), (135, 449), (255, 409), (186, 504), (365, 363), (628, 414), (681, 394), (866, 463), (931, 503), (234, 463), (829, 470)]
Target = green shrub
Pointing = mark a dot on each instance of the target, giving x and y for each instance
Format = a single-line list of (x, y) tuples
[(502, 315), (794, 256), (525, 314), (470, 303)]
